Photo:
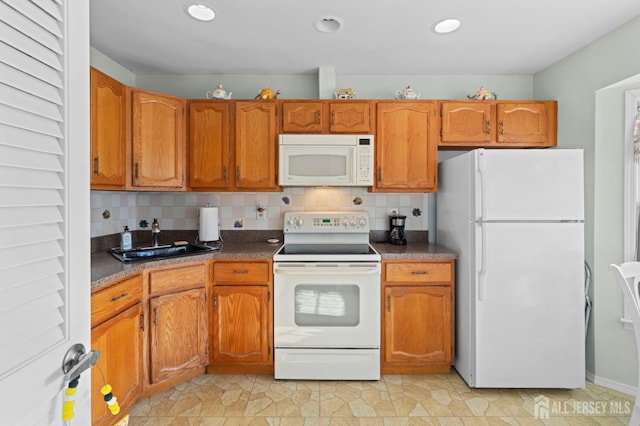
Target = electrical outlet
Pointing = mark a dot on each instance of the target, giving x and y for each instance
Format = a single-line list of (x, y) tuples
[(393, 210)]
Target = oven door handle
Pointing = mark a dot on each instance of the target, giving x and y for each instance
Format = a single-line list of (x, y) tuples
[(326, 270)]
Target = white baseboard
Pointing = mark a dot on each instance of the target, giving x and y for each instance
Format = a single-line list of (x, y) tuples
[(611, 384)]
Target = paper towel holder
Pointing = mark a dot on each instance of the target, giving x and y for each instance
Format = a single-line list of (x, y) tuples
[(209, 225)]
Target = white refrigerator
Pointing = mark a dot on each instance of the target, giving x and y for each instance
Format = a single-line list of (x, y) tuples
[(516, 219)]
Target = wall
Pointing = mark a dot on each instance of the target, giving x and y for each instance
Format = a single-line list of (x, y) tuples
[(180, 210), (590, 116), (109, 66), (306, 86)]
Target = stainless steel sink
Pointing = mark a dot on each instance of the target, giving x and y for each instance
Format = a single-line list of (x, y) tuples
[(150, 253)]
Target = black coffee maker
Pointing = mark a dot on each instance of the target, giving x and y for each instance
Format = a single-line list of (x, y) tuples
[(396, 229)]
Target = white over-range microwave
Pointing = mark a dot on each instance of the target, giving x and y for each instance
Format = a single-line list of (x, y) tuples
[(326, 160)]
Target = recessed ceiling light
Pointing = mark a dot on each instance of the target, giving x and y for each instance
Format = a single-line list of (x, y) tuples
[(201, 12), (447, 26), (328, 24)]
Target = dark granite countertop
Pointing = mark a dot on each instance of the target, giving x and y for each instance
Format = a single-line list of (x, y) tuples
[(106, 269), (414, 250)]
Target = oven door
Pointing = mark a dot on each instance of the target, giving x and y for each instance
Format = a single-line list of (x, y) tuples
[(326, 305), (317, 165)]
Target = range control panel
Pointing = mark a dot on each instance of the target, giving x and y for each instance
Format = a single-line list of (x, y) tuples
[(318, 222)]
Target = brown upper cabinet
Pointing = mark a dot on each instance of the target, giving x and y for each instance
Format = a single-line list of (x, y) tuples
[(108, 132), (209, 149), (321, 116), (256, 144), (232, 145), (137, 137), (157, 141), (406, 147), (492, 124)]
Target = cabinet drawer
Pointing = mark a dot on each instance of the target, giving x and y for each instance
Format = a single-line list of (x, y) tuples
[(419, 272), (241, 272), (111, 301), (177, 278)]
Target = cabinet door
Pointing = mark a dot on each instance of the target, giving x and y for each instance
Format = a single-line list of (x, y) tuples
[(349, 117), (119, 341), (524, 123), (417, 325), (157, 140), (467, 123), (302, 117), (108, 132), (255, 145), (209, 145), (178, 333), (406, 150), (241, 324)]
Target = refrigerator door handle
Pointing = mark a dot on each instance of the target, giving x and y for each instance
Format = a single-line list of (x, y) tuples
[(480, 263), (481, 185)]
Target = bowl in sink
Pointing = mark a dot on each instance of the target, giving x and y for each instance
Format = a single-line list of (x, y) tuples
[(158, 252)]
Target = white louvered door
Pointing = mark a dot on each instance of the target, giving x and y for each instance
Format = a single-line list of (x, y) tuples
[(44, 206)]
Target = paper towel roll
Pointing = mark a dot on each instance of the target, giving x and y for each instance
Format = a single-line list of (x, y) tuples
[(209, 224)]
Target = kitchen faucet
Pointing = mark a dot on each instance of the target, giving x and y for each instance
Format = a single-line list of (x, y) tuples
[(155, 232)]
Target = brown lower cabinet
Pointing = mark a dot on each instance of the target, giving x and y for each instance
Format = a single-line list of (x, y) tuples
[(116, 319), (417, 316), (241, 326), (177, 334), (178, 321)]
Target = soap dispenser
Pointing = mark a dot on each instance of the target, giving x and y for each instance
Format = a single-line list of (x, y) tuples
[(125, 239)]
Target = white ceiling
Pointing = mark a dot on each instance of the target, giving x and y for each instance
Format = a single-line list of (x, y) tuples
[(392, 37)]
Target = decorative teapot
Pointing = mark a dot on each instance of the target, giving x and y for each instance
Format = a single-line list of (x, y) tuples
[(218, 93), (407, 93)]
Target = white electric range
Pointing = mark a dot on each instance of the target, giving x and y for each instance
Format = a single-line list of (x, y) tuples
[(327, 298)]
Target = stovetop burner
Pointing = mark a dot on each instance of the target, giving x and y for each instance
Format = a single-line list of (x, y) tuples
[(326, 236)]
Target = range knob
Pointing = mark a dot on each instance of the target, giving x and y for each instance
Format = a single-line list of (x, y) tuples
[(299, 221), (352, 222), (362, 221), (345, 221)]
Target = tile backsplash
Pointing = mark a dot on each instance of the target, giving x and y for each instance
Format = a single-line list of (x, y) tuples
[(111, 211)]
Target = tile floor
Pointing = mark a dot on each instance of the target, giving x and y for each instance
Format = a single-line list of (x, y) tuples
[(394, 400)]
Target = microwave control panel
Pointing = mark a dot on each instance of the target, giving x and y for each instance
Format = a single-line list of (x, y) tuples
[(364, 162)]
